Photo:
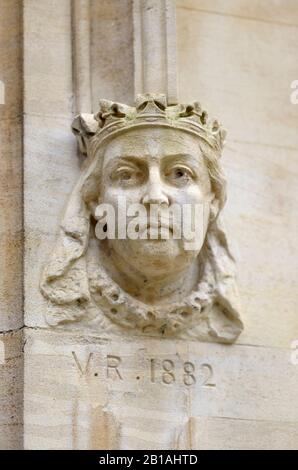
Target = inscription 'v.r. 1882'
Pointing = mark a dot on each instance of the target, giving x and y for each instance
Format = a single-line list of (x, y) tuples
[(165, 371)]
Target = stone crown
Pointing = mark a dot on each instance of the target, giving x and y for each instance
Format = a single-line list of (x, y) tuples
[(150, 110)]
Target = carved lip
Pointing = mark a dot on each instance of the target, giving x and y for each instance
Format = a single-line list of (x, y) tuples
[(146, 226)]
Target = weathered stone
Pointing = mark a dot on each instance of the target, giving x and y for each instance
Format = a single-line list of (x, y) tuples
[(11, 225), (256, 107), (11, 390), (52, 155), (112, 51), (153, 394), (47, 58), (261, 146), (11, 59), (279, 12), (11, 165)]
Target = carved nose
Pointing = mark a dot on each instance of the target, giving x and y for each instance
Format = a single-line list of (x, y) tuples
[(155, 195)]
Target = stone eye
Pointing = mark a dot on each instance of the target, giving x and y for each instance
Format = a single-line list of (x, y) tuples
[(179, 175), (125, 175)]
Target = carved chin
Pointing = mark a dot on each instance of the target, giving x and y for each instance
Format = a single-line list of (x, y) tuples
[(154, 256)]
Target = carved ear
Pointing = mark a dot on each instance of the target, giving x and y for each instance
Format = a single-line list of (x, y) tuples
[(84, 126)]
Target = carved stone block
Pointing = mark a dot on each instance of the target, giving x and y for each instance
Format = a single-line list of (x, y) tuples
[(144, 393)]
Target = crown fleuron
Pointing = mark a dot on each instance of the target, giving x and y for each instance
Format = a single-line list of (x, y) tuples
[(150, 110)]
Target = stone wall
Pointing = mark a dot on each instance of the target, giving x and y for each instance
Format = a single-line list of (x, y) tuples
[(86, 390), (238, 58), (11, 226)]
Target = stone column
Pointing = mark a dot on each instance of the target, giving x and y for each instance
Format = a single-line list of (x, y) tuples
[(81, 55), (155, 48)]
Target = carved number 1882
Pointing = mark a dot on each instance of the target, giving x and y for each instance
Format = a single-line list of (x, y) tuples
[(167, 373)]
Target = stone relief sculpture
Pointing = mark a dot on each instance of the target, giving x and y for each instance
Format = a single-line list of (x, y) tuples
[(148, 154)]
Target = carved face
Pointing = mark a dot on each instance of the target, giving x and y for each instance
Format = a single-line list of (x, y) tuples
[(157, 166)]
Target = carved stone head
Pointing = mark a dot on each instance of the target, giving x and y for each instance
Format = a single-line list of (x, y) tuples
[(157, 157)]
